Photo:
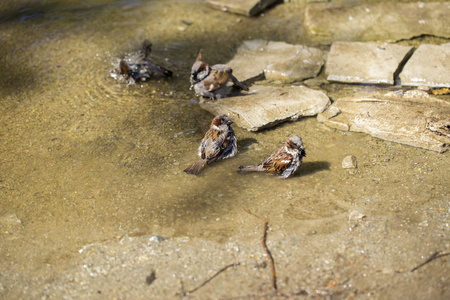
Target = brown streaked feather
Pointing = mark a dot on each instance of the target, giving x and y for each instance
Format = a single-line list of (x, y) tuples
[(207, 152), (212, 153), (221, 77), (278, 162), (214, 136)]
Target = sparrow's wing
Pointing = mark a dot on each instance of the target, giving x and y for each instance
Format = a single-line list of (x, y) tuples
[(124, 68), (207, 148), (226, 144), (278, 161), (214, 144), (157, 70), (219, 76)]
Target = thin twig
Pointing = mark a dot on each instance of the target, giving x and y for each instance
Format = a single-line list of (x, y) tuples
[(211, 278), (272, 262), (435, 255)]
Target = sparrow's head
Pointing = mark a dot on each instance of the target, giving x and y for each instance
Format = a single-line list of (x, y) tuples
[(200, 70), (296, 143), (221, 120)]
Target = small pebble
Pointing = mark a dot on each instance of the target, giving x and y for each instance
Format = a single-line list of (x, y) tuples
[(355, 216), (10, 220), (349, 162)]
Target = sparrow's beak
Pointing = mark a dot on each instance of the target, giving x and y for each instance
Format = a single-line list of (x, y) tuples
[(303, 151), (194, 76)]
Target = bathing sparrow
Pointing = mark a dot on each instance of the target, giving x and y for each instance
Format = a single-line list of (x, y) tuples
[(283, 162), (211, 81), (138, 67), (219, 143)]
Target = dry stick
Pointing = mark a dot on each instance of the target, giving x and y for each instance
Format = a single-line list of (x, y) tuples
[(272, 263), (436, 255), (211, 278)]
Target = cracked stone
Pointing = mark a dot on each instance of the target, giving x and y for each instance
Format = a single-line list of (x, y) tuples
[(428, 66), (267, 106), (413, 118), (387, 21), (278, 60), (374, 63)]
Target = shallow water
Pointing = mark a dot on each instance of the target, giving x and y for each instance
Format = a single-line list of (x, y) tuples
[(86, 159)]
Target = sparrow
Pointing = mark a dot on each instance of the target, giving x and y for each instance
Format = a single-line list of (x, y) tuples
[(211, 81), (138, 67), (283, 162), (219, 143)]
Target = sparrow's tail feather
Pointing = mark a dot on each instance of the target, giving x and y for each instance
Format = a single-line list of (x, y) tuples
[(196, 167), (199, 55), (238, 83), (246, 169), (157, 69), (249, 81), (147, 46)]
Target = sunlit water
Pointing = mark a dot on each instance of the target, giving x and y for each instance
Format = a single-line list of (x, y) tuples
[(86, 159)]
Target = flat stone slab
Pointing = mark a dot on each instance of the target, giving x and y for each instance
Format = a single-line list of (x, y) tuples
[(278, 60), (413, 118), (355, 62), (386, 21), (266, 106), (243, 7), (429, 66)]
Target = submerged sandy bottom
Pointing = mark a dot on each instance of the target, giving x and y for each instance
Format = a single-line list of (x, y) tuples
[(91, 169)]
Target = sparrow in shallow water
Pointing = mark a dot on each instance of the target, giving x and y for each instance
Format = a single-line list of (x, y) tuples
[(211, 81), (283, 162), (219, 143), (138, 67)]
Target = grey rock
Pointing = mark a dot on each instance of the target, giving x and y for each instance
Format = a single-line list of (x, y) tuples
[(332, 112), (266, 106), (386, 21), (428, 66), (242, 7), (349, 162), (315, 82), (278, 60), (356, 62), (413, 118)]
